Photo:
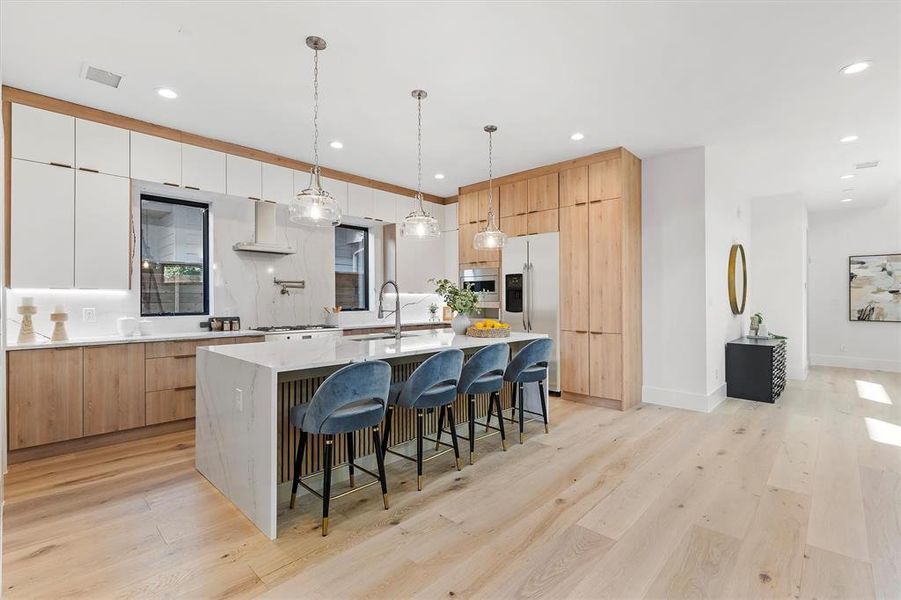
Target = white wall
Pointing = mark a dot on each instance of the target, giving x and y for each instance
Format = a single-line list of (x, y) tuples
[(834, 236), (779, 239), (674, 319)]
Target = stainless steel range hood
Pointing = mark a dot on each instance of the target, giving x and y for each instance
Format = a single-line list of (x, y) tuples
[(265, 238)]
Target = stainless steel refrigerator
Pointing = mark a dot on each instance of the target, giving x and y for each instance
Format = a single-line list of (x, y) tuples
[(531, 284)]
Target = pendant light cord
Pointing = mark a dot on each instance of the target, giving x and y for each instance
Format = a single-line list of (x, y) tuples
[(419, 152), (316, 117), (490, 185)]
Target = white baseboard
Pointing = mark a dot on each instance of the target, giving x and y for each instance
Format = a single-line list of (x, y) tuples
[(856, 362), (684, 400)]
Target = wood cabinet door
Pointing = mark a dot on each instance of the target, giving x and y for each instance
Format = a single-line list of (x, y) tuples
[(468, 208), (42, 226), (606, 379), (202, 169), (515, 225), (102, 231), (605, 231), (101, 148), (574, 186), (113, 388), (605, 180), (155, 159), (514, 198), (574, 362), (468, 254), (574, 288), (544, 221), (243, 177), (544, 193), (169, 373), (45, 396), (42, 136)]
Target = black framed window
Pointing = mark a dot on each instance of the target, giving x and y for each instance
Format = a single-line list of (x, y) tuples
[(352, 267), (174, 257)]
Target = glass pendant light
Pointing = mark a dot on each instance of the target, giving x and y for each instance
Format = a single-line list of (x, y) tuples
[(491, 237), (419, 224), (314, 206)]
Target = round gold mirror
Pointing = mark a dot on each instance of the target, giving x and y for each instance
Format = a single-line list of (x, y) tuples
[(738, 279)]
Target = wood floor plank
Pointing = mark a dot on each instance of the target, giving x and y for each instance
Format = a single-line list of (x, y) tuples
[(699, 568), (882, 507), (828, 575)]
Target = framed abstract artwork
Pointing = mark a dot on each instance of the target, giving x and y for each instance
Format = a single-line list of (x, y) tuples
[(874, 292)]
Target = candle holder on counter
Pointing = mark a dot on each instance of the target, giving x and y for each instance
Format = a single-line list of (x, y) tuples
[(26, 330), (59, 326)]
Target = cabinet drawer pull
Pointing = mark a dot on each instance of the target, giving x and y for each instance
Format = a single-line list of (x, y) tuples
[(254, 198), (184, 387), (183, 356), (171, 184), (87, 170), (191, 187), (63, 165)]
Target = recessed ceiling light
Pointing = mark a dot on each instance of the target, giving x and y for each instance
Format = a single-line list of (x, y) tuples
[(848, 176), (439, 175), (577, 136), (857, 67), (849, 138), (336, 145), (167, 93), (847, 199)]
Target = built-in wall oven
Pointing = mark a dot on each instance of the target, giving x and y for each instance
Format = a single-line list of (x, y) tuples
[(484, 280)]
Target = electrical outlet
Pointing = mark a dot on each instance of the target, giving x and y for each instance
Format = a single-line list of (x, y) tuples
[(239, 400), (89, 315)]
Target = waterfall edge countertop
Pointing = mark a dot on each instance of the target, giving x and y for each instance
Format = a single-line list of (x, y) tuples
[(329, 352), (237, 404)]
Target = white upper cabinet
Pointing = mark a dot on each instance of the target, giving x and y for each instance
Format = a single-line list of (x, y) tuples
[(384, 206), (437, 211), (202, 169), (335, 187), (359, 201), (278, 183), (43, 136), (42, 240), (403, 206), (101, 148), (155, 159), (244, 177), (102, 231)]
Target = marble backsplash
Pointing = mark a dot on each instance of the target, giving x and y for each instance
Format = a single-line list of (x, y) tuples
[(241, 282)]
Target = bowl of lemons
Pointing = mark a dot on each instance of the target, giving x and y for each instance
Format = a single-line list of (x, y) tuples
[(489, 328)]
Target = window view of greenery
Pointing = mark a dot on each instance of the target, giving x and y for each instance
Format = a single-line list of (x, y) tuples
[(174, 278), (351, 267)]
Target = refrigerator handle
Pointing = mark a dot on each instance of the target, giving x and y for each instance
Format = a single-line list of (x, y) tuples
[(525, 295), (530, 295)]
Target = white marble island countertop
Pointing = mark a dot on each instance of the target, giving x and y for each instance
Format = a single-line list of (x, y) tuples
[(328, 352)]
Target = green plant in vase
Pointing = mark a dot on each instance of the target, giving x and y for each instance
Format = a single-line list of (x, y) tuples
[(462, 301)]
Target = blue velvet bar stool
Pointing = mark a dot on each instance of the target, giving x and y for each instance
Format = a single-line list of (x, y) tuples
[(350, 399), (483, 373), (432, 385), (529, 365)]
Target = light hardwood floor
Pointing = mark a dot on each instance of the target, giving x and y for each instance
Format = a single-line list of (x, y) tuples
[(800, 499)]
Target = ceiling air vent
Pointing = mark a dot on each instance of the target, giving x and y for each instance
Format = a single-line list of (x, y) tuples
[(100, 76), (867, 165)]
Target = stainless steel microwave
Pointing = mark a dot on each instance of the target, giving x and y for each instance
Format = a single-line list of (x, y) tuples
[(485, 281)]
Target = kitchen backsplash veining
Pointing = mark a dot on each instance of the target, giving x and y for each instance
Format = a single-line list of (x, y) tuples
[(241, 283)]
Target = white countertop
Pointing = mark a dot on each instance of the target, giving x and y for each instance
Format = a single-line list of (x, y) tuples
[(105, 340), (328, 352)]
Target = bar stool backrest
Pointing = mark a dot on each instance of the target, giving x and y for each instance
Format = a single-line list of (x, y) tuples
[(490, 360), (369, 380), (441, 369), (534, 354)]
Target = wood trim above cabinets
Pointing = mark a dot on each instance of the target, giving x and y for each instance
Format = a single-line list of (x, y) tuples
[(19, 96)]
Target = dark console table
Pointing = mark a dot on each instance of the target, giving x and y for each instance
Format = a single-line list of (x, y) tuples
[(755, 369)]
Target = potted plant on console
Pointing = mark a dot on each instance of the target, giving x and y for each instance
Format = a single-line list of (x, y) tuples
[(461, 300)]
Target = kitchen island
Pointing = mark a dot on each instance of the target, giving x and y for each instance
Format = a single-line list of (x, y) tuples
[(245, 442)]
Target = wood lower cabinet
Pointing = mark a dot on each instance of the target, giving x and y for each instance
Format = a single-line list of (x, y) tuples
[(606, 368), (113, 388), (170, 372), (574, 362), (45, 396), (169, 405)]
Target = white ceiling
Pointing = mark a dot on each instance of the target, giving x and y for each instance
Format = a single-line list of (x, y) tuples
[(758, 77)]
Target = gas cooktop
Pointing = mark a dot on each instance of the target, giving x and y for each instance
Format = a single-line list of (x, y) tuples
[(285, 328)]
